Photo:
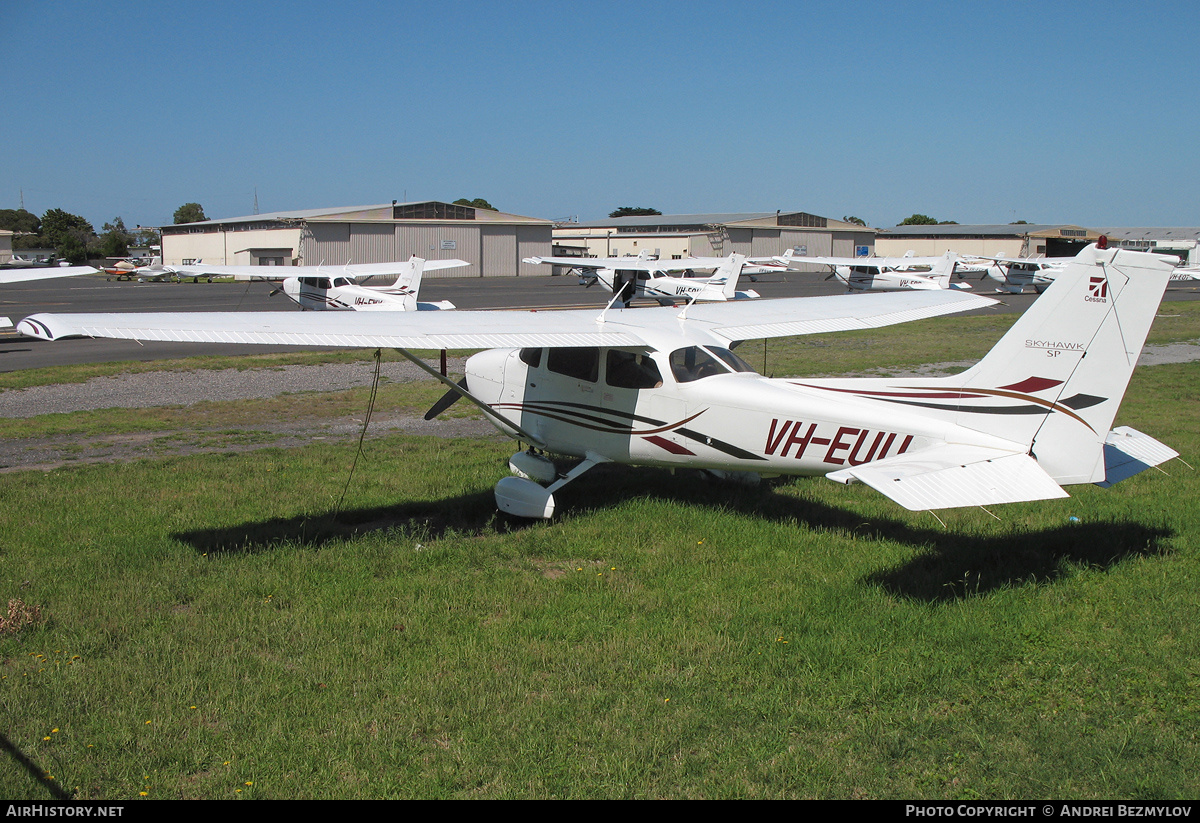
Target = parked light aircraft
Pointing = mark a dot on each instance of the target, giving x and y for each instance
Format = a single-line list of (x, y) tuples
[(1015, 274), (324, 288), (17, 261), (137, 268), (45, 273), (660, 387), (633, 277), (887, 273)]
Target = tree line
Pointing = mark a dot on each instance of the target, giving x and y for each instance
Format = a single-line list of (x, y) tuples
[(75, 240)]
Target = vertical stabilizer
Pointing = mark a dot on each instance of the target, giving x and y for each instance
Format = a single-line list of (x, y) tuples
[(943, 270), (410, 283), (1059, 374), (726, 278)]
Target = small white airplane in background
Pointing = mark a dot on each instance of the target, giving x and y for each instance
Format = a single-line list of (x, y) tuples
[(661, 387), (1015, 274), (326, 288), (629, 278), (133, 268), (44, 273), (16, 261), (887, 273)]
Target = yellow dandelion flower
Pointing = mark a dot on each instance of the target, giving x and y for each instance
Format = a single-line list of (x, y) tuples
[(249, 782), (144, 794), (54, 731), (147, 722), (47, 737)]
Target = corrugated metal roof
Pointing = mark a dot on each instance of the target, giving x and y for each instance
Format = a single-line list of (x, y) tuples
[(1151, 232), (674, 219), (687, 221), (306, 214), (954, 229)]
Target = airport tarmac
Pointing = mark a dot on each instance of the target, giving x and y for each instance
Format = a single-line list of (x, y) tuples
[(92, 294)]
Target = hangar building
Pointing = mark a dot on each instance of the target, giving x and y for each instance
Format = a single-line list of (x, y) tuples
[(1180, 241), (493, 242), (1007, 240), (757, 234)]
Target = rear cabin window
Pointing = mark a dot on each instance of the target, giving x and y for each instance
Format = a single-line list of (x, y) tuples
[(629, 370), (580, 363)]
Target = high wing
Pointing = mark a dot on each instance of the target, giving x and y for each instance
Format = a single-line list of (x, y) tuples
[(646, 264), (357, 270), (646, 328), (22, 275), (881, 262)]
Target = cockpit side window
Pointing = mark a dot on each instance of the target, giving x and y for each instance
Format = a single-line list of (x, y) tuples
[(531, 357), (694, 363), (582, 363), (630, 370)]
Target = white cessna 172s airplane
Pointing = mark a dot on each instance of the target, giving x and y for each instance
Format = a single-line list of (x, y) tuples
[(45, 273), (326, 288), (642, 276), (1015, 274), (887, 273), (660, 387)]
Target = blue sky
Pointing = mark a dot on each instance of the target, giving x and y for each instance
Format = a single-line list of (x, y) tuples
[(978, 112)]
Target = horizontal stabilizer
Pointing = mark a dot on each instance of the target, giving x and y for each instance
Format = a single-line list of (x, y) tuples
[(951, 476), (1128, 452)]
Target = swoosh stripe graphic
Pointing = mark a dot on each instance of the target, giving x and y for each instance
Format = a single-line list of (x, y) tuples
[(565, 413), (1082, 401)]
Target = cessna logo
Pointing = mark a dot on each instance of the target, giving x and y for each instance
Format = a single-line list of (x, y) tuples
[(1097, 290)]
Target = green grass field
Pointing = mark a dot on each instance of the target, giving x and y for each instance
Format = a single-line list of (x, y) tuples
[(210, 627)]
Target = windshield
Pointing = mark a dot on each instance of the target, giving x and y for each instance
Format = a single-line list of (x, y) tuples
[(698, 362)]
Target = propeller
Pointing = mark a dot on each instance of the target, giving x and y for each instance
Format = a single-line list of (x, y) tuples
[(446, 401)]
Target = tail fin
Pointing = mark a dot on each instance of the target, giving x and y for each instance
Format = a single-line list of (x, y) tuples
[(1054, 382), (727, 276), (413, 282), (943, 270)]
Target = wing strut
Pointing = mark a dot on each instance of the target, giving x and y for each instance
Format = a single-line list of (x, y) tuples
[(504, 422)]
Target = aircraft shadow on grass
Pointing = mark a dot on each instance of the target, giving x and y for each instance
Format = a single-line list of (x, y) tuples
[(951, 566)]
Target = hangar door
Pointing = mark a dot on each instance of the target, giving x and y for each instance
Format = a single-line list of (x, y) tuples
[(498, 256)]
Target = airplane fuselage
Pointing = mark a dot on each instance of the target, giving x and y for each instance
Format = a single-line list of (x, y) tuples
[(697, 412), (876, 278), (658, 286), (337, 293)]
